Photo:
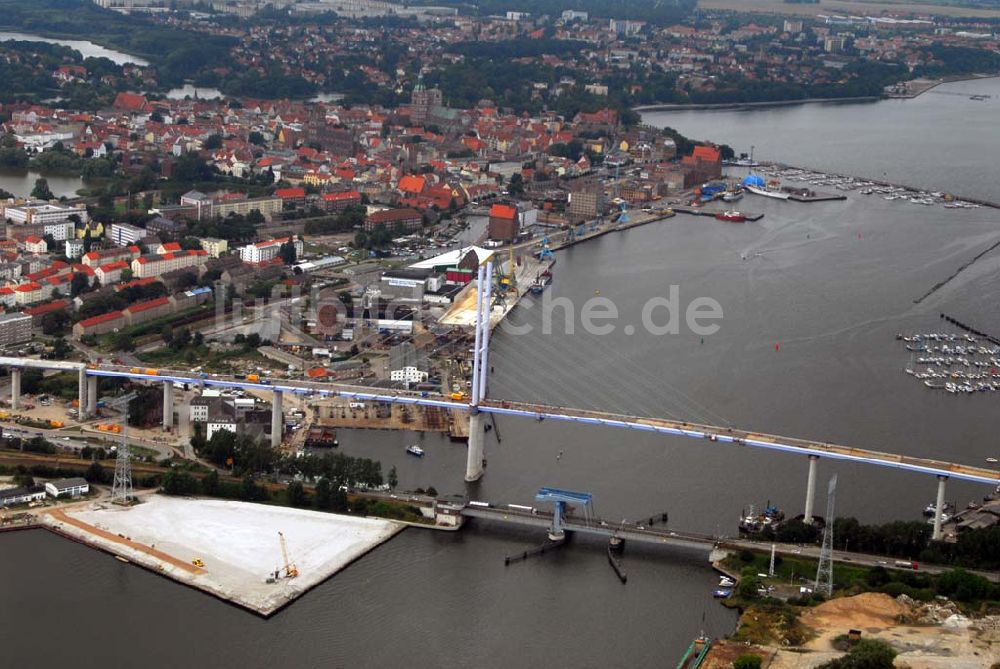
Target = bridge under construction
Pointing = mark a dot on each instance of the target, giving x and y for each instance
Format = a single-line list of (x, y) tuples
[(478, 405)]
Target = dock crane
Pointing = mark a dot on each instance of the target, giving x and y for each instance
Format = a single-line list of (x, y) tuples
[(291, 571)]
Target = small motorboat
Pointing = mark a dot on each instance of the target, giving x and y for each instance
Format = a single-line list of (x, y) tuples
[(722, 593), (726, 582), (731, 216), (413, 449)]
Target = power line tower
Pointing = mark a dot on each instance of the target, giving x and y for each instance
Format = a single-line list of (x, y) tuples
[(824, 572), (121, 489)]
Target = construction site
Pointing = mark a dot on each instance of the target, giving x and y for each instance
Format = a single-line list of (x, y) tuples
[(258, 557)]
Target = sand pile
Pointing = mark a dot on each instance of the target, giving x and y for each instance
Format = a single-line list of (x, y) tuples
[(867, 610)]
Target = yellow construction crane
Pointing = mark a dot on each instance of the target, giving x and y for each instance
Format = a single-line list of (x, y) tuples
[(290, 570), (508, 281)]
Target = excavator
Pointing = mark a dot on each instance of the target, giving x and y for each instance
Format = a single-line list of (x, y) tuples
[(291, 571)]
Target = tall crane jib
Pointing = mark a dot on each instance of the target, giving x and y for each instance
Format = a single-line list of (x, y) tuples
[(291, 571)]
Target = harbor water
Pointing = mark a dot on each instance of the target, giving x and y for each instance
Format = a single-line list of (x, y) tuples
[(812, 296)]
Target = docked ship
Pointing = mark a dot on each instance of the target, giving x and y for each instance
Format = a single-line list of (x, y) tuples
[(756, 185), (540, 283), (731, 215), (733, 195), (753, 521), (695, 653)]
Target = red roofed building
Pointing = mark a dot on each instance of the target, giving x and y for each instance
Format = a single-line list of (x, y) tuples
[(291, 197), (504, 225), (136, 282), (410, 219), (130, 102), (341, 201), (148, 311), (412, 184), (704, 164), (97, 258), (157, 265), (35, 244), (168, 247), (102, 324), (8, 297), (38, 312), (111, 273)]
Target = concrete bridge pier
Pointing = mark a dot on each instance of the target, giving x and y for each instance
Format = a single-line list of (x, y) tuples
[(939, 508), (811, 491), (474, 458), (277, 419), (556, 531), (168, 405), (15, 387), (82, 408), (91, 398)]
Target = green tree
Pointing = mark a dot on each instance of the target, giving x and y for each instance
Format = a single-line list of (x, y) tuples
[(516, 185), (867, 654), (41, 191), (297, 494), (323, 497), (212, 142), (78, 284), (210, 483), (393, 478), (55, 322), (747, 661), (287, 253)]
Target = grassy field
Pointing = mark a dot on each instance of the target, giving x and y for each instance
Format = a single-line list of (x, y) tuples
[(847, 7)]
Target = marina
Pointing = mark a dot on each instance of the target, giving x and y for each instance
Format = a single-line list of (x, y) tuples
[(955, 363)]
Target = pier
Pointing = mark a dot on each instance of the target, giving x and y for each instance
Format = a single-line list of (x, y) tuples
[(696, 211)]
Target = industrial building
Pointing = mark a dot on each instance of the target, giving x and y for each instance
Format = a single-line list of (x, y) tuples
[(71, 487), (14, 329), (24, 495), (123, 234), (407, 364)]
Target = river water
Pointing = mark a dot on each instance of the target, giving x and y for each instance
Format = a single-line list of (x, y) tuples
[(88, 49), (806, 348), (940, 140), (21, 183)]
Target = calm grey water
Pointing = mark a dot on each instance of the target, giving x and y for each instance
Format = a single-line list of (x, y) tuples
[(88, 49), (21, 183), (940, 140), (830, 283)]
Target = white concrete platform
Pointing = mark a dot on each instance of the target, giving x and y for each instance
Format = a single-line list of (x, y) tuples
[(237, 541)]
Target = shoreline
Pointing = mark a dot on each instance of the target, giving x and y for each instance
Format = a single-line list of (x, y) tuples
[(785, 166), (670, 107), (178, 571)]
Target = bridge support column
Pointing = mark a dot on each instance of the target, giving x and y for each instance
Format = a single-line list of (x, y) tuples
[(168, 405), (82, 408), (91, 398), (474, 458), (556, 531), (15, 388), (811, 491), (939, 508), (277, 419)]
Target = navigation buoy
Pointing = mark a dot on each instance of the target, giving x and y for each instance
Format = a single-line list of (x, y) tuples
[(859, 235), (702, 340), (597, 292), (777, 347)]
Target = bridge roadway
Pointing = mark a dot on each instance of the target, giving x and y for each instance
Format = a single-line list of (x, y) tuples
[(628, 531), (664, 536), (711, 434)]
